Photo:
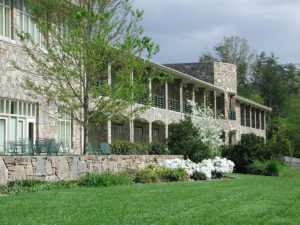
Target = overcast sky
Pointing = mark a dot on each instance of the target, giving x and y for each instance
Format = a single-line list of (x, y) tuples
[(184, 28)]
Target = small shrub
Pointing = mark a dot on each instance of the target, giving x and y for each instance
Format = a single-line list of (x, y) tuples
[(257, 167), (104, 180), (154, 173), (26, 186), (156, 148), (250, 148), (268, 168), (272, 168), (147, 175), (177, 174)]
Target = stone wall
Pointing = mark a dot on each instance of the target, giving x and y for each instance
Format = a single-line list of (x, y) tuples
[(222, 75), (202, 71), (55, 168), (12, 83)]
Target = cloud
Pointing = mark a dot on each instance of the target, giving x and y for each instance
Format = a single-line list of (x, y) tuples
[(184, 28)]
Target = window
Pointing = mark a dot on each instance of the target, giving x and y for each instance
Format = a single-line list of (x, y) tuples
[(64, 126), (155, 132), (117, 129), (138, 131), (27, 25), (15, 120), (5, 18)]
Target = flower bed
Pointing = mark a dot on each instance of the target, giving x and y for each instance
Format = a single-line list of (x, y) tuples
[(205, 170)]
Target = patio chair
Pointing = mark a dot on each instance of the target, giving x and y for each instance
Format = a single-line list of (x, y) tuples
[(51, 147), (13, 147), (39, 146), (91, 150), (65, 146), (105, 148), (26, 146)]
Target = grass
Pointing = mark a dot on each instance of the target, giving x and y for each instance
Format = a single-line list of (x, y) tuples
[(245, 199)]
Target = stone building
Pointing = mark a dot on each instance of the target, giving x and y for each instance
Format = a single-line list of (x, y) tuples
[(213, 84)]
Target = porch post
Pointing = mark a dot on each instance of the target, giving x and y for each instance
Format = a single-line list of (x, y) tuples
[(166, 95), (108, 124), (150, 132), (131, 131)]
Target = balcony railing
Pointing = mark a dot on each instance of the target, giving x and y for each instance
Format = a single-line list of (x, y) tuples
[(173, 104), (187, 108), (159, 101), (232, 115), (143, 99)]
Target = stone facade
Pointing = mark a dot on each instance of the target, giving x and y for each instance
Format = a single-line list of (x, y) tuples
[(56, 168), (212, 83)]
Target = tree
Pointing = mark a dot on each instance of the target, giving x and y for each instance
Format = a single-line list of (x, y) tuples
[(233, 50), (90, 64)]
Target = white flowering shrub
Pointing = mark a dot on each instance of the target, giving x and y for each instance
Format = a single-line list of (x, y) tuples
[(210, 129), (207, 169)]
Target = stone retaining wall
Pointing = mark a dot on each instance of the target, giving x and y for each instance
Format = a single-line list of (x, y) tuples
[(55, 168)]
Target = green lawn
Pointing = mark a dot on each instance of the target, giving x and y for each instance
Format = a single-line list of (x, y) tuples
[(245, 199)]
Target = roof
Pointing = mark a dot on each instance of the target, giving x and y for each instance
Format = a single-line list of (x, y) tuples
[(250, 102), (185, 76)]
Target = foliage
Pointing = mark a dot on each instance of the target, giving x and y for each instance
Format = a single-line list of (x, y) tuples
[(127, 147), (250, 148), (206, 170), (269, 167), (104, 180), (157, 148), (86, 43), (26, 186), (209, 128), (184, 140), (154, 173)]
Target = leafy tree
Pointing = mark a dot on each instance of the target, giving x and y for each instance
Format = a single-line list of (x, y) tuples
[(85, 44)]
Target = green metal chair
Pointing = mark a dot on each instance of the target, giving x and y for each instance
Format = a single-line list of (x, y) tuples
[(40, 146), (65, 146), (51, 147), (26, 146), (91, 150), (13, 147), (105, 148)]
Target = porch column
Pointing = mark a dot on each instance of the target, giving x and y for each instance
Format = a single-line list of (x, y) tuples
[(226, 137), (180, 95), (245, 115), (109, 75), (166, 131), (150, 89), (259, 119), (166, 95), (204, 97), (191, 88), (254, 111), (108, 124), (215, 103), (250, 108), (226, 105), (150, 132), (131, 131)]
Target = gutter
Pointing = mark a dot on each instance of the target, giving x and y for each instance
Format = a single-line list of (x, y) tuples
[(250, 102)]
